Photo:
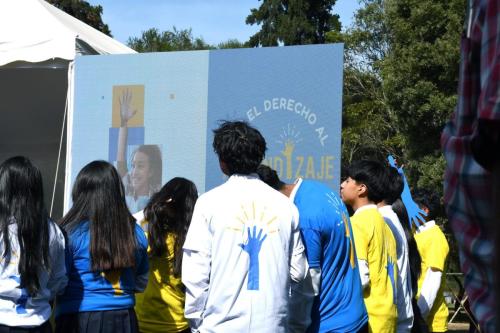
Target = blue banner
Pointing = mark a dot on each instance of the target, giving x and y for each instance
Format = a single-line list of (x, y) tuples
[(152, 115)]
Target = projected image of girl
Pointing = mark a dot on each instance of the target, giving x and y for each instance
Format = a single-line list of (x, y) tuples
[(142, 174)]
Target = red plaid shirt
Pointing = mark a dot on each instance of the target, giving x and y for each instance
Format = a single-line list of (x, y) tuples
[(468, 187)]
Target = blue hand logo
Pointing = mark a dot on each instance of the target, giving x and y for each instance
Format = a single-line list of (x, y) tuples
[(415, 214), (21, 301), (391, 273), (252, 247)]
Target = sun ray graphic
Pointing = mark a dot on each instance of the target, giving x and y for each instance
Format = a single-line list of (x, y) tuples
[(289, 134), (254, 214), (340, 210)]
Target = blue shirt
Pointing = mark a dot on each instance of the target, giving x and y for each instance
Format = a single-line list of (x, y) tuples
[(97, 291), (327, 234)]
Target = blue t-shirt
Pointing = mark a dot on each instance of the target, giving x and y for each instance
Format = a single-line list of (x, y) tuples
[(97, 291), (327, 234)]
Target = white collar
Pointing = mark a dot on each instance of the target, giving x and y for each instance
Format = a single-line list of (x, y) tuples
[(296, 186), (426, 226), (239, 176), (387, 208), (365, 207)]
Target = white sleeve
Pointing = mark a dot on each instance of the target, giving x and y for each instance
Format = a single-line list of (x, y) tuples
[(196, 266), (316, 280), (195, 277), (58, 278), (429, 290), (364, 273), (298, 259)]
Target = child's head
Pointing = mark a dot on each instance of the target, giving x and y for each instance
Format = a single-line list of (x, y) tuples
[(173, 205), (239, 146), (21, 186), (364, 184), (169, 212), (146, 170), (393, 187), (97, 188), (428, 201), (270, 177), (99, 198), (21, 202)]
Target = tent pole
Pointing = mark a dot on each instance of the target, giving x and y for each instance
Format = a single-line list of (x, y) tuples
[(61, 140)]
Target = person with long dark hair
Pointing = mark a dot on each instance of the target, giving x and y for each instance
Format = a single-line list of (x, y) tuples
[(32, 267), (168, 215), (415, 263), (106, 256), (391, 191)]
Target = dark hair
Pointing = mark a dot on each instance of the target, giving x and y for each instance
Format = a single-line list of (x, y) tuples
[(98, 196), (169, 212), (155, 164), (414, 258), (425, 198), (240, 146), (270, 177), (373, 175), (22, 202), (394, 185)]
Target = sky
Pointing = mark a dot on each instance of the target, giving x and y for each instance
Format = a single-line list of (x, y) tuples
[(214, 20)]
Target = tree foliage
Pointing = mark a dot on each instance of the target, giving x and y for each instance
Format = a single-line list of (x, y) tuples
[(152, 40), (420, 77), (83, 11), (409, 49), (292, 22)]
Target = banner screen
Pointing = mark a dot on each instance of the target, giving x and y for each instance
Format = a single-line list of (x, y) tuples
[(152, 114)]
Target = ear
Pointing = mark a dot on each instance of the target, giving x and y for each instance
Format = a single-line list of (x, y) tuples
[(362, 190)]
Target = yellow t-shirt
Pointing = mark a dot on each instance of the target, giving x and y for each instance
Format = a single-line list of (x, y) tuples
[(375, 243), (161, 307), (433, 248)]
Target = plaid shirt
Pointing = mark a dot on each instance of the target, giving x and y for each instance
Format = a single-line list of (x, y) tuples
[(468, 187)]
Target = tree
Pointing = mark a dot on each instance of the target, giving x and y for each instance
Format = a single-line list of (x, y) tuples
[(292, 22), (420, 77), (231, 44), (369, 126), (83, 11), (153, 40)]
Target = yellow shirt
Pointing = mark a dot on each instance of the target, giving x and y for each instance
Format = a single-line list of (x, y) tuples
[(433, 248), (161, 307), (375, 243)]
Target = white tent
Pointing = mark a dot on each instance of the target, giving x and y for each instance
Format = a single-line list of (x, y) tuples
[(38, 43)]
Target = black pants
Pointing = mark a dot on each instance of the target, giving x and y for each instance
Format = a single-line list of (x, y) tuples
[(44, 328), (113, 321)]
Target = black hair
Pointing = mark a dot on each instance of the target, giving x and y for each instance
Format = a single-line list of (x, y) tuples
[(270, 177), (425, 198), (99, 197), (373, 175), (22, 203), (414, 258), (169, 212), (394, 185), (240, 146)]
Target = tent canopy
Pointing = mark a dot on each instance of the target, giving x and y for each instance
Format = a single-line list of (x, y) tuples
[(37, 42), (35, 31)]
